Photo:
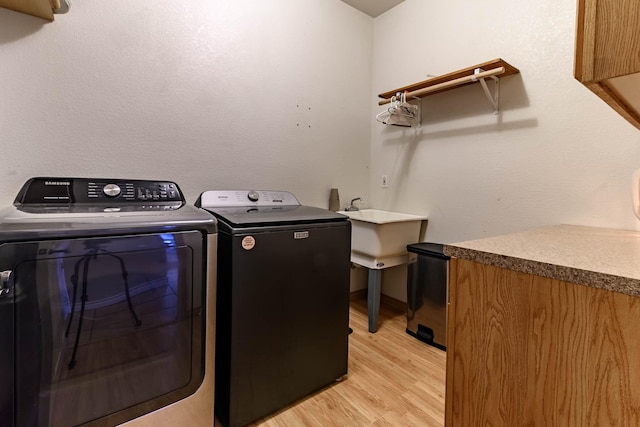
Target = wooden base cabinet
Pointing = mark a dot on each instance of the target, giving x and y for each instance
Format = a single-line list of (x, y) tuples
[(525, 350)]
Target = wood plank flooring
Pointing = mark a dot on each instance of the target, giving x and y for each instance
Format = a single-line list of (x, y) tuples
[(393, 380)]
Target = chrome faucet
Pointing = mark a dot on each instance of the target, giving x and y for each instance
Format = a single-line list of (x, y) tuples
[(351, 206)]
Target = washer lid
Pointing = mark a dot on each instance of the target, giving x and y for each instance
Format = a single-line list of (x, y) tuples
[(255, 216), (255, 208), (17, 224)]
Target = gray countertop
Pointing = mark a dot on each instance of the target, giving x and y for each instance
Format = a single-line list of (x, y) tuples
[(599, 257)]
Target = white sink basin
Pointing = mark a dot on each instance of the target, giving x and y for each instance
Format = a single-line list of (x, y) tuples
[(380, 234)]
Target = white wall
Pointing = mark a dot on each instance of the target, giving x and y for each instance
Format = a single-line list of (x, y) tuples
[(282, 94), (555, 154), (209, 93)]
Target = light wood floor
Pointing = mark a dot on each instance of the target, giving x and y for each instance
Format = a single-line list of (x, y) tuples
[(393, 380)]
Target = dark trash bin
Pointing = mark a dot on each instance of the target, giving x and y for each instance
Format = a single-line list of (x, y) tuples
[(427, 288)]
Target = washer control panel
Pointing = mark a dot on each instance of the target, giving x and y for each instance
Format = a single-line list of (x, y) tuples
[(236, 198), (92, 191)]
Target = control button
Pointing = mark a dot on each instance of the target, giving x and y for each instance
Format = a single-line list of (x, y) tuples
[(253, 196), (111, 190)]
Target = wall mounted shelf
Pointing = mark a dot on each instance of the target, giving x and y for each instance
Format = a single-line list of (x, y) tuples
[(41, 8), (476, 74)]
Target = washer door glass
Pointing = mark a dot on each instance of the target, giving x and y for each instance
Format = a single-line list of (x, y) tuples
[(107, 329)]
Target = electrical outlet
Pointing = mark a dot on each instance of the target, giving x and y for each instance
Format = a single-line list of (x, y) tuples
[(385, 181)]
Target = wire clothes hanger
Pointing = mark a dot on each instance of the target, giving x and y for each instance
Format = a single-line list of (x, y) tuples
[(400, 112), (92, 254)]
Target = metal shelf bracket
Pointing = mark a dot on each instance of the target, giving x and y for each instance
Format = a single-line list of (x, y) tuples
[(494, 99)]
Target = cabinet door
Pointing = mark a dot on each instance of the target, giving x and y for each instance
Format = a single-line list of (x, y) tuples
[(529, 350), (607, 57), (608, 36)]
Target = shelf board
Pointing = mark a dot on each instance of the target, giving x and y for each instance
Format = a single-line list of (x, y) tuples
[(40, 8), (452, 80)]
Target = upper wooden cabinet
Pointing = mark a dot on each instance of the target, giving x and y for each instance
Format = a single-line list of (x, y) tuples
[(608, 53), (40, 8)]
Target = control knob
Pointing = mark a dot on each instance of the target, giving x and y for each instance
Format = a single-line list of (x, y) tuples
[(111, 190), (253, 196)]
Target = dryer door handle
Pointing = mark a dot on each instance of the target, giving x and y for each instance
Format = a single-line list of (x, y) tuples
[(6, 284)]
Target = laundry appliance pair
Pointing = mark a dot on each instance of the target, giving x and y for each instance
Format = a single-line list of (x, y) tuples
[(118, 298)]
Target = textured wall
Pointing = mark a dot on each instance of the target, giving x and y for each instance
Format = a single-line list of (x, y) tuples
[(209, 93), (282, 94), (555, 154)]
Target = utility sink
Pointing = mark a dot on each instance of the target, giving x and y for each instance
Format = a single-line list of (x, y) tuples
[(379, 240), (380, 234)]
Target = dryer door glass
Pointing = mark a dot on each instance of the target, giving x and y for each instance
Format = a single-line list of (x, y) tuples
[(107, 329)]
